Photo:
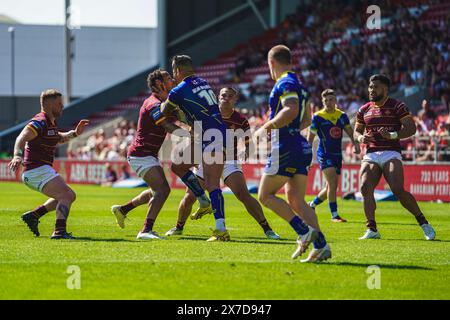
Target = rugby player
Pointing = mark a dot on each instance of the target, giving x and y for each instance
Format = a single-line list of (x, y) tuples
[(328, 124), (39, 139), (380, 124), (233, 176), (291, 155), (143, 156), (195, 98)]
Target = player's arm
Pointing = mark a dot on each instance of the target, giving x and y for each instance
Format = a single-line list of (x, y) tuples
[(26, 135), (407, 130), (311, 136), (306, 120), (171, 104), (349, 131), (167, 108), (287, 114), (361, 135), (312, 132), (67, 136), (247, 138), (168, 122), (172, 128)]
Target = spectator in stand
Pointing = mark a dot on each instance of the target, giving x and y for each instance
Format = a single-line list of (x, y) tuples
[(111, 176), (125, 172), (426, 112)]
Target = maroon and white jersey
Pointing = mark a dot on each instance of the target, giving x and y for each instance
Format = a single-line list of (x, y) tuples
[(235, 122), (41, 150), (149, 135), (389, 115)]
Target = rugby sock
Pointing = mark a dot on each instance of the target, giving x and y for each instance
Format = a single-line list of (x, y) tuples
[(299, 226), (265, 226), (127, 208), (220, 225), (316, 202), (39, 212), (372, 225), (148, 225), (180, 225), (421, 220), (333, 209), (320, 242), (217, 203), (60, 226), (191, 181)]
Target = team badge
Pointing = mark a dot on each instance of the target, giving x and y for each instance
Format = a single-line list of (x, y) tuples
[(335, 132)]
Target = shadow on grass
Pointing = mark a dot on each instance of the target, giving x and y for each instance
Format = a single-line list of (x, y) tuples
[(243, 240), (383, 223), (89, 239), (381, 265), (415, 239)]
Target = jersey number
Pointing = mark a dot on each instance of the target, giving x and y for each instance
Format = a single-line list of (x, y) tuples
[(209, 96)]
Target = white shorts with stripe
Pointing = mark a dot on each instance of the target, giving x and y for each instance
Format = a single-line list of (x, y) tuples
[(36, 179), (141, 165)]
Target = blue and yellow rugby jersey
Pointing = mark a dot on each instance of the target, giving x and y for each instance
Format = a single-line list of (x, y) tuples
[(198, 102), (291, 153), (287, 87), (329, 128)]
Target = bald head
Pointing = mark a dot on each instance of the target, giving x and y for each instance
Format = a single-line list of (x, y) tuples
[(281, 54), (279, 60), (182, 67)]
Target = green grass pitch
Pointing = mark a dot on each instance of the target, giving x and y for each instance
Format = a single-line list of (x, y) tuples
[(114, 265)]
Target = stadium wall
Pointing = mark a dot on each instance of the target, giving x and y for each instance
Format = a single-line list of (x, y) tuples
[(425, 182), (103, 57)]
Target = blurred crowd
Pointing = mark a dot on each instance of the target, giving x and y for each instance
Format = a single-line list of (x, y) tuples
[(337, 51), (99, 146)]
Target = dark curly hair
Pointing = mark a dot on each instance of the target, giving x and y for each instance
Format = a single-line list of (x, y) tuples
[(153, 77)]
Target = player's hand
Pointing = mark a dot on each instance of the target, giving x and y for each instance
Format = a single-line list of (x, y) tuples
[(15, 163), (365, 139), (385, 133), (80, 127), (260, 133), (357, 148)]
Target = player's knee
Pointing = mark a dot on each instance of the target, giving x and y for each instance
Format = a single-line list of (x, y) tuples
[(292, 200), (367, 188), (332, 185), (397, 191), (264, 199), (164, 191), (189, 199), (70, 195), (242, 195)]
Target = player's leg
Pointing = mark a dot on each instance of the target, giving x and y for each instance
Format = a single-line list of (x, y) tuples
[(370, 175), (140, 165), (323, 194), (393, 173), (184, 210), (57, 189), (184, 172), (121, 211), (31, 218), (332, 177), (236, 183), (267, 194), (157, 182), (295, 192), (212, 174), (320, 198)]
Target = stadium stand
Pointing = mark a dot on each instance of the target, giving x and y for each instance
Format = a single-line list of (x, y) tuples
[(338, 51)]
